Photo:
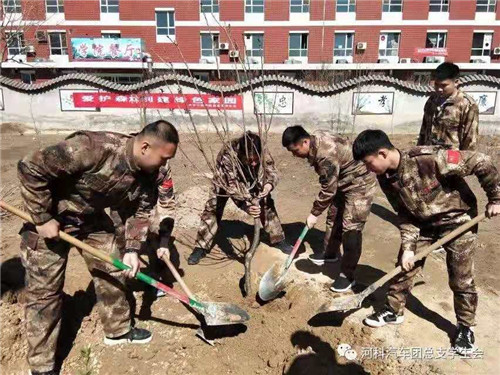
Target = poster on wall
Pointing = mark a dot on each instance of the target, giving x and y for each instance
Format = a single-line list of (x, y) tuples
[(372, 103), (274, 103), (1, 100), (486, 101), (101, 99), (67, 100)]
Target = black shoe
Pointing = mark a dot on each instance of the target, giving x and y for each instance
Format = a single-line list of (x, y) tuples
[(342, 284), (320, 258), (284, 246), (383, 317), (134, 336), (464, 340), (51, 372), (197, 255)]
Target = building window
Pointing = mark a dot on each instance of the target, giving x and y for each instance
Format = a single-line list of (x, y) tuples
[(165, 25), (15, 43), (209, 44), (297, 46), (389, 44), (122, 79), (254, 45), (58, 45), (12, 6), (486, 6), (111, 34), (343, 44), (254, 6), (392, 6), (210, 6), (28, 76), (481, 44), (439, 5), (299, 6), (54, 6), (110, 6), (435, 40), (346, 6)]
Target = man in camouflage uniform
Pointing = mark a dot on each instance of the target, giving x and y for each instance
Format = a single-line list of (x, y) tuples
[(347, 190), (427, 188), (245, 173), (67, 187), (451, 116), (161, 223)]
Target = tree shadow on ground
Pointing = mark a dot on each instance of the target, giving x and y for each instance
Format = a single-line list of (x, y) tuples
[(321, 361)]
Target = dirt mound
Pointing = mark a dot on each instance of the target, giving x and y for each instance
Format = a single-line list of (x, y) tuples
[(190, 205), (13, 127)]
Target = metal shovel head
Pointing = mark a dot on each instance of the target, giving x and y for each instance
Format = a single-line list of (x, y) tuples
[(343, 303), (273, 282), (221, 313)]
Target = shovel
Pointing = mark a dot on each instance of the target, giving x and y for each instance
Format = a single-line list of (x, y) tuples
[(213, 316), (354, 302), (215, 313), (274, 281)]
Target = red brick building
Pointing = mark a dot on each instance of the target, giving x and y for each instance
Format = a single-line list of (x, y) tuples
[(270, 35)]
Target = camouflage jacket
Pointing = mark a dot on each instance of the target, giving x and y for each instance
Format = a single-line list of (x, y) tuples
[(79, 177), (429, 190), (331, 157), (453, 123), (240, 186), (162, 216)]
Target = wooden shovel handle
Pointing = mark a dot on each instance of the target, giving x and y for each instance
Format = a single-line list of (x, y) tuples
[(178, 277), (64, 236), (436, 245)]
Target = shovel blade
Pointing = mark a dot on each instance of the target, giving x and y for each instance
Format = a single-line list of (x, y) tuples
[(272, 283), (221, 313), (343, 303)]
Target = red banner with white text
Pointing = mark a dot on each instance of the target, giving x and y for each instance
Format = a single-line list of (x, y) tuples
[(157, 100)]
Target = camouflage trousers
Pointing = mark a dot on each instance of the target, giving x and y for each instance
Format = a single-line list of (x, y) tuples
[(460, 264), (212, 216), (346, 218), (45, 262)]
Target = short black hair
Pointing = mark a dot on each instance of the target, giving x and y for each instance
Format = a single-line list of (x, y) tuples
[(446, 70), (369, 142), (162, 130), (293, 134), (249, 145)]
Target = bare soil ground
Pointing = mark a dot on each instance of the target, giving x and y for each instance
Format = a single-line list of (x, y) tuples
[(284, 336)]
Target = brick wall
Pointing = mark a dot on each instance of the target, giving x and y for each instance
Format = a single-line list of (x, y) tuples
[(369, 9), (82, 10), (462, 9), (232, 10), (415, 9), (277, 10)]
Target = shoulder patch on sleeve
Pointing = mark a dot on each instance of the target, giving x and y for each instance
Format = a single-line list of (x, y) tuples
[(453, 156), (167, 184)]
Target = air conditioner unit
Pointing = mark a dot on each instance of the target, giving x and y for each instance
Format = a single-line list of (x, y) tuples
[(361, 46), (405, 60), (293, 61), (41, 36), (496, 51), (234, 54), (223, 46), (29, 49), (434, 59), (341, 61), (383, 61), (207, 61)]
